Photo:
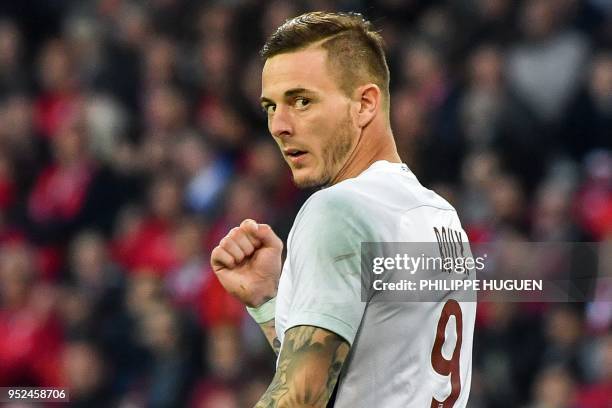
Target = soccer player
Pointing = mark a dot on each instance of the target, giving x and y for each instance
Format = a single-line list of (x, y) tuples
[(325, 89)]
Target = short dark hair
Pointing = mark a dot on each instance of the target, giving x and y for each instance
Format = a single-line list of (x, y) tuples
[(355, 50)]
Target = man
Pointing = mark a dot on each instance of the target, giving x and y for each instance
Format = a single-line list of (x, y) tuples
[(325, 88)]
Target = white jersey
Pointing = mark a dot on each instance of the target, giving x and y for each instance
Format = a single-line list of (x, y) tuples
[(402, 353)]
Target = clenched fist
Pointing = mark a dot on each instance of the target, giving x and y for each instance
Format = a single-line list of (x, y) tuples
[(247, 262)]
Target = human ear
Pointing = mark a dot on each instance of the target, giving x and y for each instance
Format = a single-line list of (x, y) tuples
[(369, 97)]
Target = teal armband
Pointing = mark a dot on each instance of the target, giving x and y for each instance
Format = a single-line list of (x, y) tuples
[(263, 313)]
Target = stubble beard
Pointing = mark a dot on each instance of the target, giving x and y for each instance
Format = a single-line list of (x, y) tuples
[(334, 155)]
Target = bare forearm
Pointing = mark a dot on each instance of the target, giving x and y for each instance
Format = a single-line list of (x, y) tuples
[(269, 330), (308, 369)]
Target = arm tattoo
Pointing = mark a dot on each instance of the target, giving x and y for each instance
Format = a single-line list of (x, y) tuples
[(269, 331), (309, 366), (276, 345)]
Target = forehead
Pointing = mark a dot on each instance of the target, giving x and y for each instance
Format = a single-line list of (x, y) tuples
[(305, 68)]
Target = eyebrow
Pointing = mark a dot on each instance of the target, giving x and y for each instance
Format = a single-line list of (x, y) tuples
[(288, 94)]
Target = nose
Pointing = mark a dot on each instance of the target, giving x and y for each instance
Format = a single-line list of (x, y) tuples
[(280, 123)]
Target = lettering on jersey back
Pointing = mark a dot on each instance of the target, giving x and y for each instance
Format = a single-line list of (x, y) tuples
[(450, 244)]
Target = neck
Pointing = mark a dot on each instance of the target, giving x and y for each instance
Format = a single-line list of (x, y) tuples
[(374, 143)]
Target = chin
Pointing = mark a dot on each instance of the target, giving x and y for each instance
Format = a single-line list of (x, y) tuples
[(308, 180)]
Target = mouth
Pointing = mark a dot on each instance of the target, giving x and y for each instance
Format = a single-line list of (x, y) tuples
[(294, 154)]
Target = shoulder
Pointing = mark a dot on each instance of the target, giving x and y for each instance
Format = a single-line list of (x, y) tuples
[(335, 204), (334, 213)]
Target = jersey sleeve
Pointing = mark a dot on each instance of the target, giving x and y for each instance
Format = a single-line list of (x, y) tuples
[(325, 255)]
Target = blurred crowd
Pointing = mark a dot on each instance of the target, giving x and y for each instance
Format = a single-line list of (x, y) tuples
[(132, 140)]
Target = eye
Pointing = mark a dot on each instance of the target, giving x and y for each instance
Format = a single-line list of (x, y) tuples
[(268, 108), (301, 102)]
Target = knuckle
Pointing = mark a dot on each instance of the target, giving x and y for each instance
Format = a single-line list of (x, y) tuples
[(225, 242)]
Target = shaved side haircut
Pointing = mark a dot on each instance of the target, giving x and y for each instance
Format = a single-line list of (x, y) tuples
[(355, 50)]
